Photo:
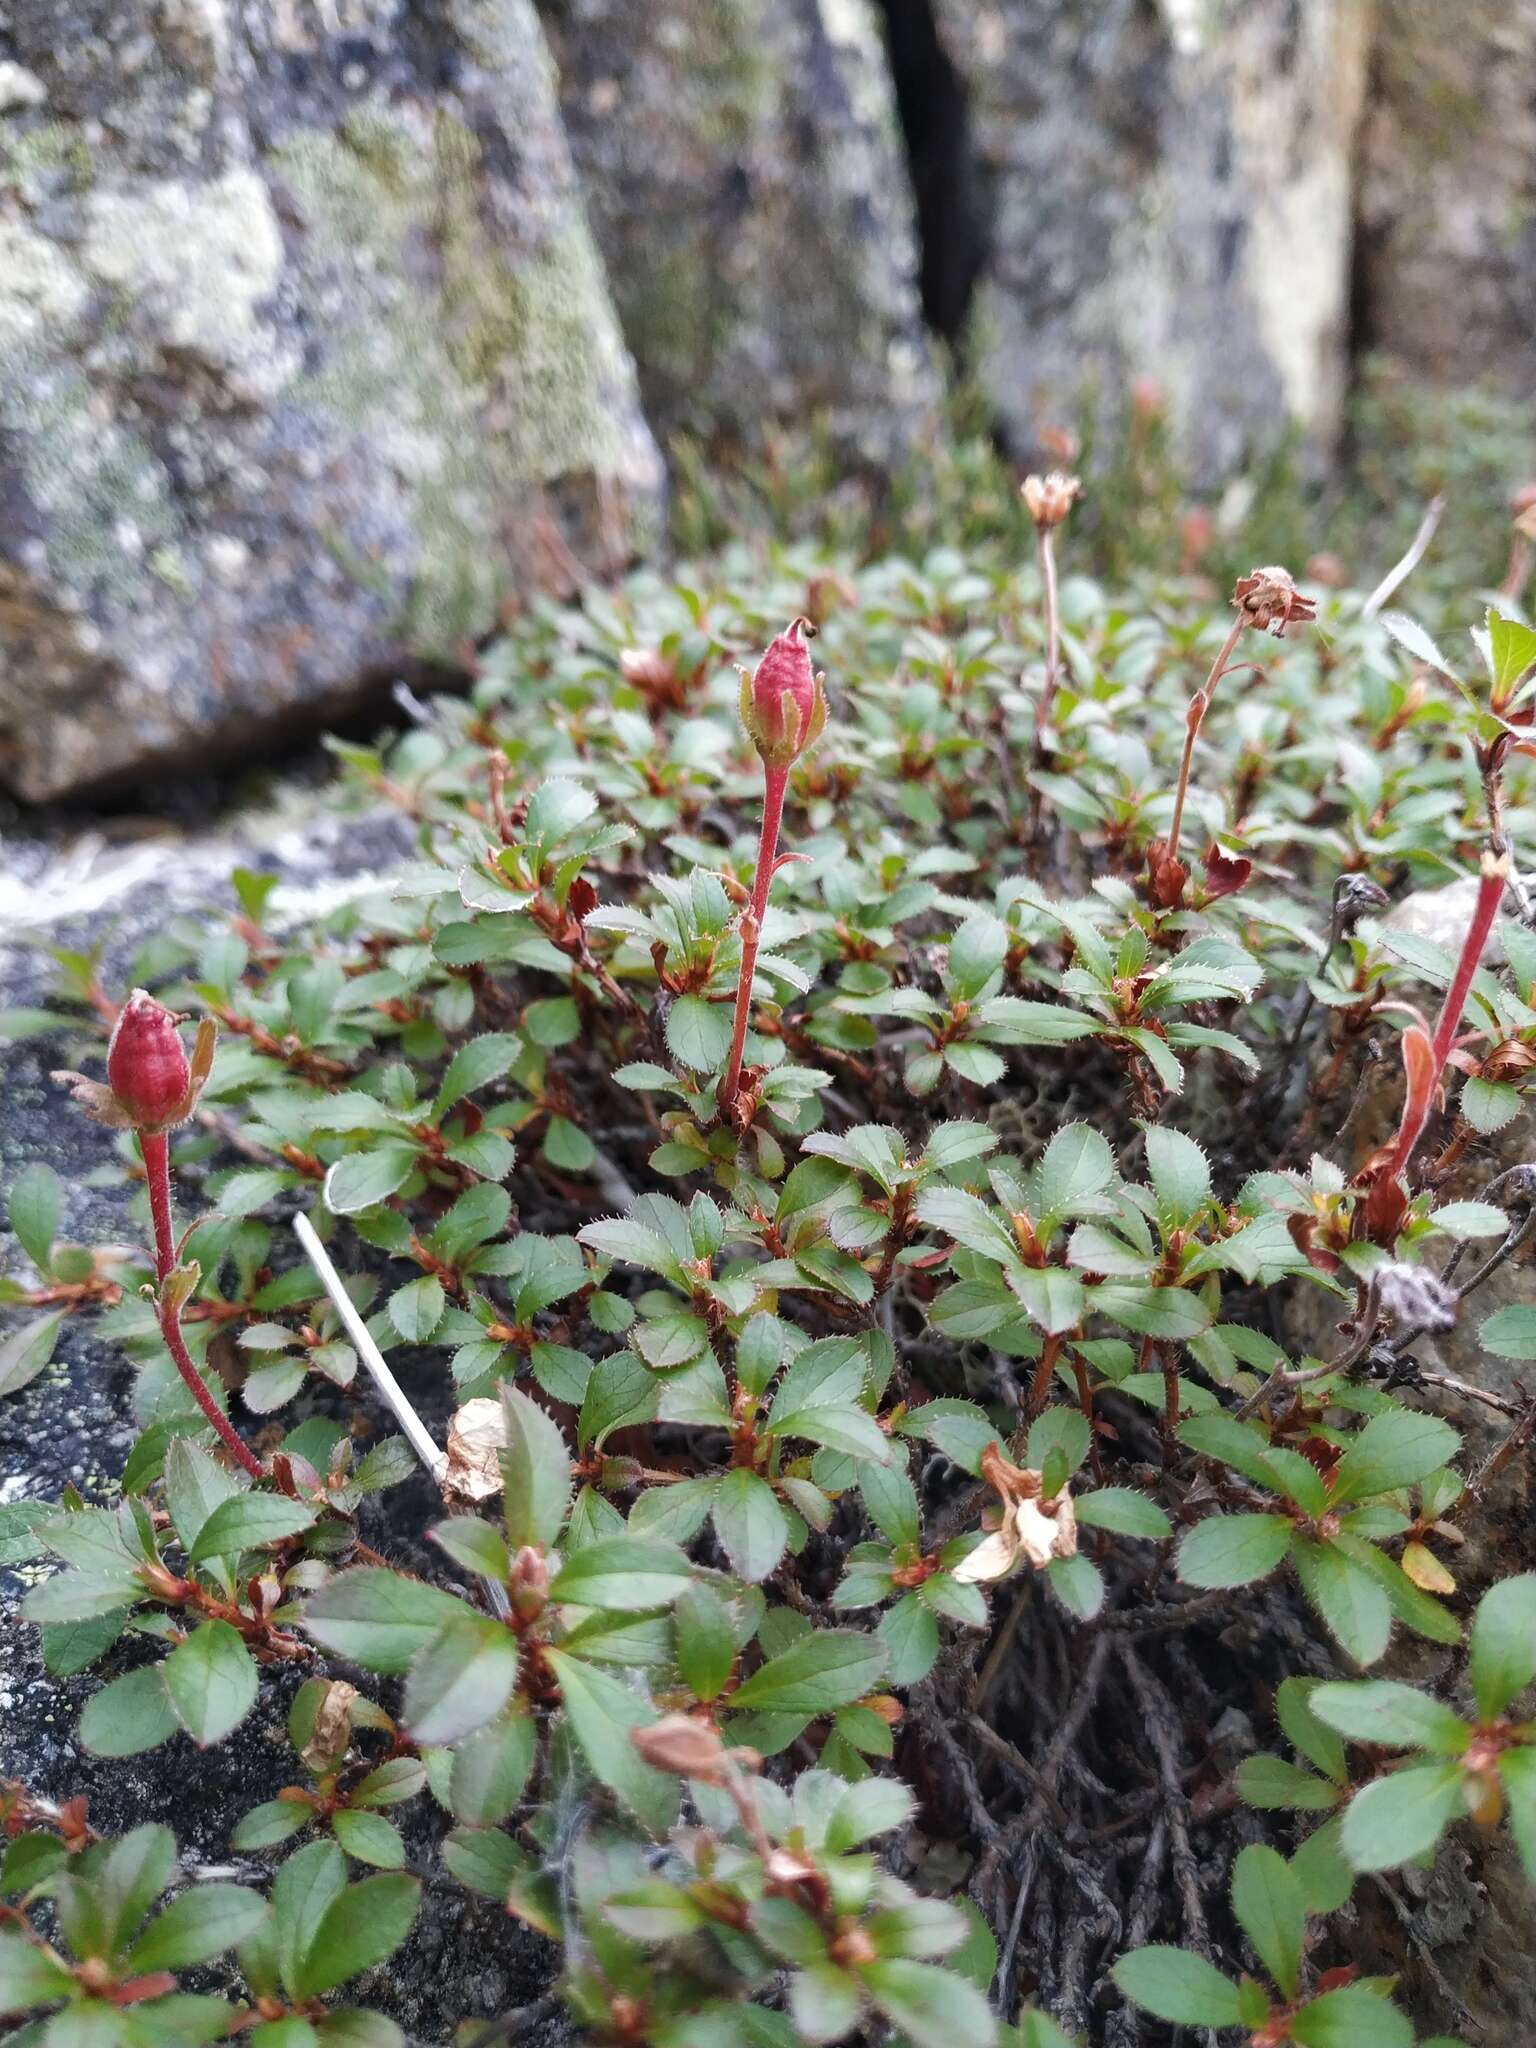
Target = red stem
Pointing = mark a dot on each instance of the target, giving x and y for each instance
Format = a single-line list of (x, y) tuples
[(775, 782), (1490, 894), (1047, 539), (1199, 704), (155, 1149)]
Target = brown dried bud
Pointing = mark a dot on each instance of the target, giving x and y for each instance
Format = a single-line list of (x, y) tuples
[(1269, 600), (1048, 499), (687, 1747), (330, 1733)]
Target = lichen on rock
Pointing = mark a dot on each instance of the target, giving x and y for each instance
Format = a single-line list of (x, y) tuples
[(307, 355)]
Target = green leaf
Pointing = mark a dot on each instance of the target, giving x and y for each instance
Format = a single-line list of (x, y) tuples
[(602, 1712), (1267, 1901), (379, 1618), (1510, 1332), (954, 1213), (1503, 1649), (821, 1671), (27, 1351), (627, 1572), (698, 1033), (362, 1179), (1354, 2016), (933, 2007), (1274, 1785), (131, 1714), (752, 1526), (361, 1927), (891, 1503), (211, 1680), (1078, 1585), (249, 1521), (1401, 1816), (1512, 646), (202, 1923), (28, 1975), (491, 1768), (1180, 1173), (1307, 1735), (1075, 1168), (1174, 1985), (462, 1678), (1233, 1550), (474, 1066), (537, 1466), (1052, 1299), (1392, 1714), (1349, 1598), (37, 1203), (195, 1484), (621, 1392), (706, 1644), (370, 1838), (417, 1308), (1394, 1449), (1124, 1512)]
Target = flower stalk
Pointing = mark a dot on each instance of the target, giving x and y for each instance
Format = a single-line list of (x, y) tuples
[(1425, 1057), (783, 709), (151, 1086), (1268, 600)]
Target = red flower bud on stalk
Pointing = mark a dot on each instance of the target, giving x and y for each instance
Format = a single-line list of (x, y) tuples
[(784, 710), (152, 1086), (1424, 1060)]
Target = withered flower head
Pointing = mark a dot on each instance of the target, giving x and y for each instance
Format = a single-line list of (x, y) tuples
[(1048, 499), (476, 1439), (1269, 600), (1032, 1531)]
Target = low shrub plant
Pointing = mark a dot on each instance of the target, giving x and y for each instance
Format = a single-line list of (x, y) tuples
[(843, 1155)]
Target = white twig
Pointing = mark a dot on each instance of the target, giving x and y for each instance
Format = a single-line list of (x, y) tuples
[(416, 1432), (1402, 570)]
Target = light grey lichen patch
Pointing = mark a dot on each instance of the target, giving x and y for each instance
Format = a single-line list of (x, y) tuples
[(477, 376), (194, 262), (292, 369)]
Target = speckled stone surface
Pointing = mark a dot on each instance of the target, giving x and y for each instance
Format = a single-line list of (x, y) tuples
[(1448, 192), (746, 183), (305, 347), (1171, 196)]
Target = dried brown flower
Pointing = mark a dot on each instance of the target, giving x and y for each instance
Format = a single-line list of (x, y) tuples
[(1050, 498), (476, 1439), (1269, 600)]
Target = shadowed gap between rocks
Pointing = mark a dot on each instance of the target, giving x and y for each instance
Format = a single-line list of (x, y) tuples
[(933, 106)]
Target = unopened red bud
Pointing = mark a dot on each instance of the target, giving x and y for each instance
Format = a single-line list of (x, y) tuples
[(781, 703), (528, 1584), (147, 1066)]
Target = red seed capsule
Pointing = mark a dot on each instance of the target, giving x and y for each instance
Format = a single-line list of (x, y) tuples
[(147, 1066)]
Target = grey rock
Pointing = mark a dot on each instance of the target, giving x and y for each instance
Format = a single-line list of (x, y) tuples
[(746, 185), (1448, 192), (305, 350), (1171, 196)]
